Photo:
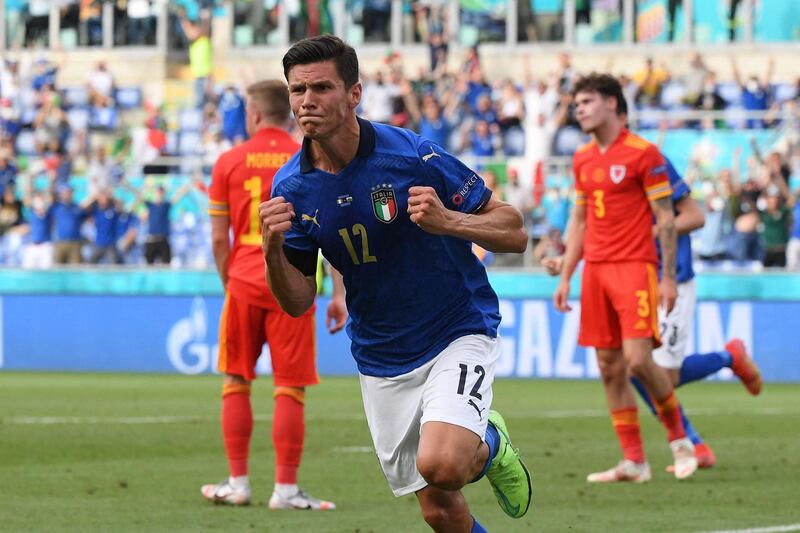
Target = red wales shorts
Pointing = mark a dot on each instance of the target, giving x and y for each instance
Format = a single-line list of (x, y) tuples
[(243, 329), (618, 301)]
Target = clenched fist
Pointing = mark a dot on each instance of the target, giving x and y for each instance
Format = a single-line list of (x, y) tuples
[(276, 216), (427, 210)]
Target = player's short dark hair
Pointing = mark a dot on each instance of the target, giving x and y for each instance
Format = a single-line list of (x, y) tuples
[(271, 98), (605, 84), (324, 48)]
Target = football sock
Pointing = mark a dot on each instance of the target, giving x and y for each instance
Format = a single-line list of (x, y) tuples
[(492, 438), (670, 414), (237, 426), (698, 366), (477, 527), (286, 490), (288, 432), (687, 424), (626, 425)]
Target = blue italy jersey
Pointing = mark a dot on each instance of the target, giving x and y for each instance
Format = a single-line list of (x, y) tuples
[(409, 293), (680, 190)]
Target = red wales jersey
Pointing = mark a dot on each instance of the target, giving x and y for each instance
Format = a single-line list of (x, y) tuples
[(616, 187), (240, 181)]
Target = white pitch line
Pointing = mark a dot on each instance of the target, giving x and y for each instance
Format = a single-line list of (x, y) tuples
[(771, 529), (168, 419), (354, 449)]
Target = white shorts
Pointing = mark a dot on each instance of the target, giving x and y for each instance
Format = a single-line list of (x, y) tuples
[(39, 256), (674, 327), (455, 387)]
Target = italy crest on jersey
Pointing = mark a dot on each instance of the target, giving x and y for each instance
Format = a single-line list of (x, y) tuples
[(384, 204)]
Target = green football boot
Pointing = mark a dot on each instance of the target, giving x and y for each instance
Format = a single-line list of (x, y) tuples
[(508, 475)]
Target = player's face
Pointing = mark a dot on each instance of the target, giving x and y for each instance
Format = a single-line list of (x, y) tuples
[(319, 100), (592, 110)]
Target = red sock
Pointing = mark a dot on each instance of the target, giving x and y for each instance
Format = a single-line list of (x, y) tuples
[(288, 432), (237, 426), (626, 424), (670, 416)]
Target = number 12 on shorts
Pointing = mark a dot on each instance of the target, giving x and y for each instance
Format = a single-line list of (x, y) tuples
[(462, 380)]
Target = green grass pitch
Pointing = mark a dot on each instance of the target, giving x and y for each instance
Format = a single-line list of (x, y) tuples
[(116, 452)]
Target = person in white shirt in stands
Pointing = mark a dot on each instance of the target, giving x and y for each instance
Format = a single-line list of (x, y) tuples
[(100, 83)]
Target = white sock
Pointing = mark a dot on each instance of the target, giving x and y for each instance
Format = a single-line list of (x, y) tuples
[(286, 490), (239, 482)]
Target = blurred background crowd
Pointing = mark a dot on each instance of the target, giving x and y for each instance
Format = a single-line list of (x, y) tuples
[(101, 171)]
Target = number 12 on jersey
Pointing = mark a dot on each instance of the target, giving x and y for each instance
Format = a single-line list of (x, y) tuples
[(357, 230)]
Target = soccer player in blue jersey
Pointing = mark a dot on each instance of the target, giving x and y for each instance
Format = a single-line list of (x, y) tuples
[(395, 214), (674, 327)]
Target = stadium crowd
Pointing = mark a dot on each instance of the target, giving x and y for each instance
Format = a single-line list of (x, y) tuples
[(519, 133)]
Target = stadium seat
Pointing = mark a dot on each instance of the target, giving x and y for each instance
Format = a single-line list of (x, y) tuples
[(128, 97), (78, 118), (672, 95), (26, 144), (784, 91), (567, 141), (75, 96), (189, 143), (103, 118), (730, 92), (190, 120)]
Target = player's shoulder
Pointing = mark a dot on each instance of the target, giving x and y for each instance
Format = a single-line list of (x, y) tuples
[(288, 178), (396, 141), (582, 154), (584, 148), (637, 143)]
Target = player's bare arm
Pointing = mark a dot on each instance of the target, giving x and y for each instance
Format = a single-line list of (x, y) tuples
[(220, 245), (294, 291), (337, 308), (575, 232), (668, 241), (690, 217), (497, 227)]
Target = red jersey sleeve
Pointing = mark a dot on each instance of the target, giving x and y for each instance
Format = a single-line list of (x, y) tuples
[(580, 193), (654, 173), (218, 193)]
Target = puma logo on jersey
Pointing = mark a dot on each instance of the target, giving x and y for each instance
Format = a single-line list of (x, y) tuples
[(313, 219), (432, 154)]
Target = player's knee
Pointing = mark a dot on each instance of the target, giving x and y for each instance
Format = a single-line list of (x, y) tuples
[(638, 364), (612, 372), (441, 470)]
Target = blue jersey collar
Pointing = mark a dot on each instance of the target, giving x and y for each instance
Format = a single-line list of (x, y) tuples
[(366, 145)]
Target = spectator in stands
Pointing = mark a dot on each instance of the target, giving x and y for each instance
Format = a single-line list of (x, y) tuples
[(379, 98), (776, 219), (8, 170), (38, 253), (140, 22), (100, 84), (695, 78), (438, 47), (484, 110), (68, 218), (510, 106), (710, 99), (755, 92), (434, 123), (200, 53), (37, 25), (105, 214), (483, 140), (793, 247), (375, 17), (50, 127), (127, 233), (9, 80), (649, 81), (746, 243), (541, 131), (157, 246), (91, 22), (99, 170), (232, 108), (44, 75), (10, 211), (516, 194), (10, 124), (711, 244), (550, 245), (566, 74)]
